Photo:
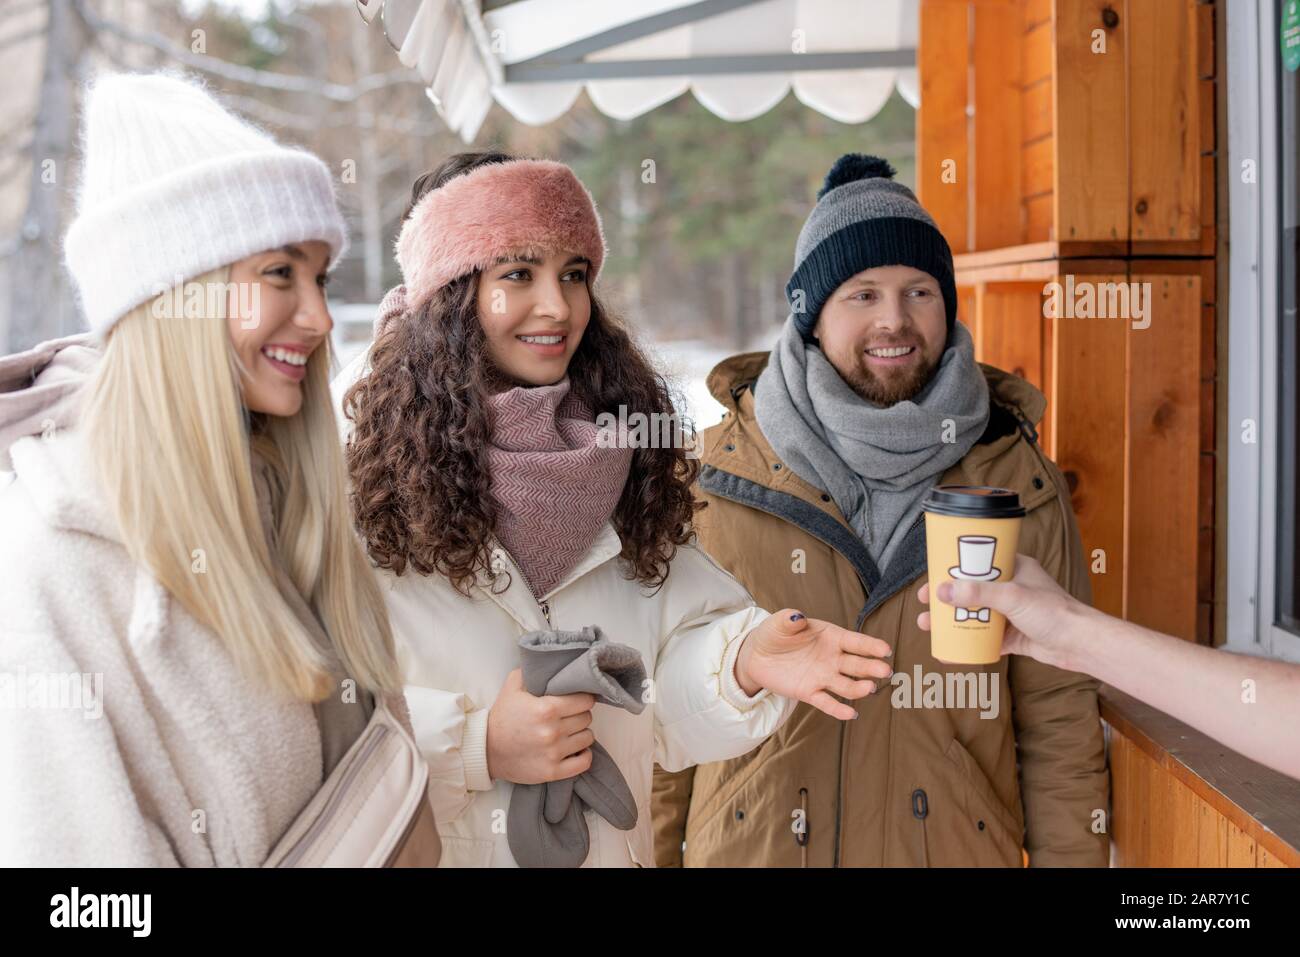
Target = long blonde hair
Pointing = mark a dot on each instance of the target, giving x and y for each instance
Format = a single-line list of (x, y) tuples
[(172, 445)]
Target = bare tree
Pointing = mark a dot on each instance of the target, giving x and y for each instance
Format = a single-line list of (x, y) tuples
[(380, 120), (34, 261), (369, 182)]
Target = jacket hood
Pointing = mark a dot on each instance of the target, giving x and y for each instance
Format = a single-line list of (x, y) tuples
[(40, 389), (40, 396), (733, 375)]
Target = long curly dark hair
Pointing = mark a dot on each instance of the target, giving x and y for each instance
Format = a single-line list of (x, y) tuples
[(417, 456)]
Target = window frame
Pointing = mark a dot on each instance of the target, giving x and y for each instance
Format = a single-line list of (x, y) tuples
[(1254, 281)]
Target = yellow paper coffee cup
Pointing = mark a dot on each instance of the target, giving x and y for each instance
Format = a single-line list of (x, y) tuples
[(971, 533)]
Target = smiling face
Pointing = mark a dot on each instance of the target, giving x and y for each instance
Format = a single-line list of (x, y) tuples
[(884, 330), (278, 319), (534, 310)]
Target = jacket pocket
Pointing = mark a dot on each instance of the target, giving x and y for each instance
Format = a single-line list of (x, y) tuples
[(755, 826), (1002, 834), (734, 774)]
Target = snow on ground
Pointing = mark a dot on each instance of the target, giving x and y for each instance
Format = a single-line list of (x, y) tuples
[(685, 364)]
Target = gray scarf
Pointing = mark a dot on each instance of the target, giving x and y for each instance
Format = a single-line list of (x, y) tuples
[(876, 463)]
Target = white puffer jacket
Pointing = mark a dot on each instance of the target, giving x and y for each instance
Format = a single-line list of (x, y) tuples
[(457, 651)]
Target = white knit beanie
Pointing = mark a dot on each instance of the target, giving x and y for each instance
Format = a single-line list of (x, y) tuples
[(173, 185)]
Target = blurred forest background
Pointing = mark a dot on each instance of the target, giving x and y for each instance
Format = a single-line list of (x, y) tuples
[(700, 254)]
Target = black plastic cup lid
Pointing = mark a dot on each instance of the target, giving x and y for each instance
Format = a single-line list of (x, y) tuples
[(973, 501)]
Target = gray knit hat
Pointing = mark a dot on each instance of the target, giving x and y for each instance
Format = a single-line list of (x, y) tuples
[(864, 219)]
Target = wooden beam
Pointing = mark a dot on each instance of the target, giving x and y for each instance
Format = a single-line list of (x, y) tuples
[(998, 140), (1091, 123), (942, 155), (1163, 429), (1165, 127), (1088, 415)]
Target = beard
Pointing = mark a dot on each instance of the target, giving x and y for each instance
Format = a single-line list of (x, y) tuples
[(894, 386)]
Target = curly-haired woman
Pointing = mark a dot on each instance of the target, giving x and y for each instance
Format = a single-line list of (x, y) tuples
[(495, 507)]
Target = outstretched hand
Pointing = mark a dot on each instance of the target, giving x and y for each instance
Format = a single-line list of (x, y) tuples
[(811, 660)]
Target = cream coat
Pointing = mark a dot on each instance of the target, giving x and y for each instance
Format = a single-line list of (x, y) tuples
[(457, 652), (174, 758)]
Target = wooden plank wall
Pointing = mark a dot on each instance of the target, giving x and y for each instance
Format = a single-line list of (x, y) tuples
[(1162, 431), (1164, 96), (1130, 423), (997, 137), (1092, 125), (1074, 161), (942, 56), (1104, 170), (1068, 121), (1158, 821), (1088, 411), (1094, 107)]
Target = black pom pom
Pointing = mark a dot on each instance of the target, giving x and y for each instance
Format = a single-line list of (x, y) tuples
[(852, 167)]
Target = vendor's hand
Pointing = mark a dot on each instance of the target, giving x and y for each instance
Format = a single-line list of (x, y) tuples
[(532, 740), (810, 660), (1036, 607)]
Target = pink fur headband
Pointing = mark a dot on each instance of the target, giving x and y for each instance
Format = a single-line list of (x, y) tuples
[(494, 211)]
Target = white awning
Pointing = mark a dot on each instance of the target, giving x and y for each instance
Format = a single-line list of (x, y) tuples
[(738, 57)]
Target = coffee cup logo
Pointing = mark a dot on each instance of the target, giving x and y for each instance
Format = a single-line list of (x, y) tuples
[(969, 531), (975, 563)]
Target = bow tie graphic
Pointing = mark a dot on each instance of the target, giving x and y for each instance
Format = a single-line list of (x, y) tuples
[(980, 613)]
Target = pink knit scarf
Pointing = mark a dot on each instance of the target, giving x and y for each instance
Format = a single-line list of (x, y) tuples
[(553, 486)]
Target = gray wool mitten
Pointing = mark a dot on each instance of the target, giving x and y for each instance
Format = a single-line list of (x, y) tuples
[(545, 825)]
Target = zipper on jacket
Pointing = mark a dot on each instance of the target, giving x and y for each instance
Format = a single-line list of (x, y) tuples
[(839, 793), (801, 835), (544, 606), (331, 805), (920, 811), (862, 615), (839, 770)]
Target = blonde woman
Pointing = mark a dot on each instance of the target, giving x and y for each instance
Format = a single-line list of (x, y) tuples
[(191, 636)]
